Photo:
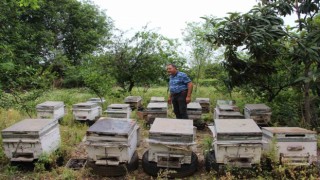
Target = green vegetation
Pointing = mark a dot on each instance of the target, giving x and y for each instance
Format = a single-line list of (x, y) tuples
[(70, 51)]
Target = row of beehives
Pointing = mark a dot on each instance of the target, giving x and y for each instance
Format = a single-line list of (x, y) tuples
[(239, 141), (111, 144)]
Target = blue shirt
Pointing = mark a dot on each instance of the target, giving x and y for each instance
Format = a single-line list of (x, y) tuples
[(178, 82)]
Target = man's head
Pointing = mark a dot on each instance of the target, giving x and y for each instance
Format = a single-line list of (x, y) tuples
[(172, 69)]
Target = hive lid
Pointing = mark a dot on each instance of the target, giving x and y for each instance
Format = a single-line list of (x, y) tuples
[(112, 126), (85, 105), (119, 106), (157, 99), (172, 126), (31, 125), (288, 130), (227, 107), (52, 104), (157, 105), (96, 100), (194, 105), (236, 126), (202, 100), (257, 107), (132, 99), (229, 113), (225, 102)]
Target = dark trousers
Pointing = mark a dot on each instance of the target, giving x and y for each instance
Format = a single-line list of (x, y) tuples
[(180, 105)]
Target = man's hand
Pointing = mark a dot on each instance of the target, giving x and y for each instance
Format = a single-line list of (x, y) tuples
[(188, 99), (169, 100)]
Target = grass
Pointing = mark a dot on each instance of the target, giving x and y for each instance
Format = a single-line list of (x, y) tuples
[(72, 134)]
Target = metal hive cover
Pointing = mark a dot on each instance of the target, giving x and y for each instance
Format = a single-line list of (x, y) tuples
[(194, 105), (225, 102), (289, 130), (132, 99), (236, 126), (226, 107), (229, 113), (257, 107), (202, 100), (172, 126), (112, 126), (31, 125), (157, 99), (51, 104), (84, 105), (118, 106), (96, 100), (157, 105)]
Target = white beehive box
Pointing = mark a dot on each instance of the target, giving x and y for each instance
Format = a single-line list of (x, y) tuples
[(218, 114), (156, 110), (119, 111), (134, 101), (50, 110), (174, 138), (29, 138), (194, 111), (204, 103), (237, 143), (97, 100), (260, 113), (157, 99), (112, 141), (86, 111), (294, 145)]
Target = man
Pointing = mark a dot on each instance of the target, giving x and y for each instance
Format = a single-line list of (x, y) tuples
[(180, 87)]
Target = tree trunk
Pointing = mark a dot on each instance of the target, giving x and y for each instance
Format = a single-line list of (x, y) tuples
[(131, 85), (198, 76), (307, 108)]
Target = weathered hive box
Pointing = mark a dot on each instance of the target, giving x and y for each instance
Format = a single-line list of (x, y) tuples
[(294, 145), (260, 113), (50, 110), (225, 114), (86, 111), (194, 111), (134, 101), (237, 143), (29, 138), (204, 103), (156, 110), (112, 141), (227, 105), (97, 100), (171, 142), (157, 99), (118, 111)]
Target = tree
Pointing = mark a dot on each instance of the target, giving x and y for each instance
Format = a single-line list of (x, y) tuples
[(305, 42), (50, 38), (255, 55), (201, 52), (141, 59)]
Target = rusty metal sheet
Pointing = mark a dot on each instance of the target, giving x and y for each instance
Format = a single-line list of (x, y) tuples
[(172, 126), (112, 126)]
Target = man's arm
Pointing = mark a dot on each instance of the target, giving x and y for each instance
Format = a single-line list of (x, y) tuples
[(190, 87)]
